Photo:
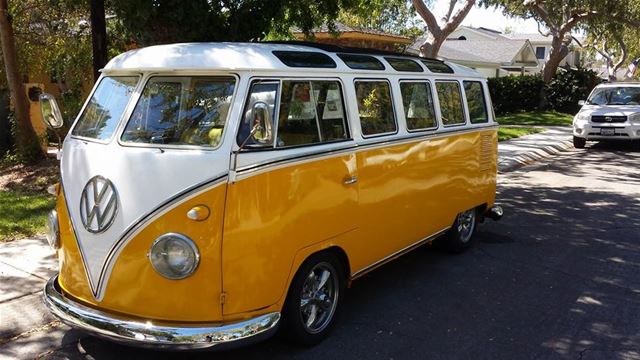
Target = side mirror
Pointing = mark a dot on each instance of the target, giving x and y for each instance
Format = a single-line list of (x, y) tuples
[(582, 103), (51, 115), (261, 130)]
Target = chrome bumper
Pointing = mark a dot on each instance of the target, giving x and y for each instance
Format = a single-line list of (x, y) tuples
[(147, 334)]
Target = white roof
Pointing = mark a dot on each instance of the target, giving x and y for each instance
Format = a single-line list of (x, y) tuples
[(227, 56)]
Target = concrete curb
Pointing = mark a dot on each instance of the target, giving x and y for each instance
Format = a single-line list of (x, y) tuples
[(528, 154)]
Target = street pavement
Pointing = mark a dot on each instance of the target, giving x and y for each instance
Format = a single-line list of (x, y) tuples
[(556, 278)]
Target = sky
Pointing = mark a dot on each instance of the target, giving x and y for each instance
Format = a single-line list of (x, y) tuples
[(491, 18)]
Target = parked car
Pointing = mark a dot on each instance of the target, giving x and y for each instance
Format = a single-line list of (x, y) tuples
[(212, 192), (611, 112)]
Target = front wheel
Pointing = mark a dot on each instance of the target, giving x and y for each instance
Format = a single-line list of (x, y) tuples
[(460, 237), (579, 142), (313, 298)]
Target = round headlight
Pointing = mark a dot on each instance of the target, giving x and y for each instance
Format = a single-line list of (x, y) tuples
[(174, 256), (53, 230)]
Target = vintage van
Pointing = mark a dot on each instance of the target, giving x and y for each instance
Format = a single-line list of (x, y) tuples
[(211, 193)]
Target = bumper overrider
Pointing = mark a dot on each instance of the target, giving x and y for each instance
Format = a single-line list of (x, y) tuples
[(136, 332)]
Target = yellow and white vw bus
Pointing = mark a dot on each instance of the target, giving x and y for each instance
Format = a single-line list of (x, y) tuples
[(211, 193)]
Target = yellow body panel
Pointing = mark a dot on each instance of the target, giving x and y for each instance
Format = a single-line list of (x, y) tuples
[(405, 193), (275, 216), (135, 288)]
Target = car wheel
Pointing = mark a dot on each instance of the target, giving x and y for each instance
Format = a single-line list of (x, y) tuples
[(460, 237), (312, 302), (579, 142)]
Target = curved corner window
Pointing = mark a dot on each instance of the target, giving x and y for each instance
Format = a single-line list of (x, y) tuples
[(436, 66), (307, 59), (361, 62), (102, 114), (404, 64), (475, 102), (418, 105), (375, 108), (181, 111), (450, 100)]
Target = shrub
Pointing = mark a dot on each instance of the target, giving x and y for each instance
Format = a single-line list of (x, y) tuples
[(568, 87), (516, 93)]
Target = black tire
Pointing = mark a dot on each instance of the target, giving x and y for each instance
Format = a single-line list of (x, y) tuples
[(579, 142), (460, 237), (295, 316)]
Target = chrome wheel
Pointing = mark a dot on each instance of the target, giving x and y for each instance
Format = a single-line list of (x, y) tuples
[(466, 224), (319, 297)]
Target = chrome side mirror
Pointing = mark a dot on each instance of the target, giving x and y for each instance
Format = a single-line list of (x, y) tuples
[(51, 115), (261, 130), (582, 102)]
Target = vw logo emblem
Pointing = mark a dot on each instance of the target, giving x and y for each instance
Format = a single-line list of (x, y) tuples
[(98, 204)]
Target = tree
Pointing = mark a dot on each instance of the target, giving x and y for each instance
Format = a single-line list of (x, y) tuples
[(607, 39), (436, 33), (26, 140), (390, 16), (165, 21), (98, 36), (558, 18)]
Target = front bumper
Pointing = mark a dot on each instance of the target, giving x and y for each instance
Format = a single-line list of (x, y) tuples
[(183, 336), (615, 131)]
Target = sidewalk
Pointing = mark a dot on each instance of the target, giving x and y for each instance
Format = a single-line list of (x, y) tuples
[(525, 150), (28, 331)]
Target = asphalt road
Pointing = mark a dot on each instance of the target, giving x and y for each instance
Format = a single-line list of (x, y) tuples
[(557, 278)]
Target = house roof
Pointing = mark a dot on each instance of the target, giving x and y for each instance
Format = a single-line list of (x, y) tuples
[(501, 52), (347, 31)]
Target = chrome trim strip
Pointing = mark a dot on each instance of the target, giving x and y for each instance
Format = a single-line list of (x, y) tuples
[(258, 168), (140, 223), (139, 332), (397, 254)]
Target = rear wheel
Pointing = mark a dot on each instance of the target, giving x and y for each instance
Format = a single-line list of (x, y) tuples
[(460, 237), (579, 142), (313, 299)]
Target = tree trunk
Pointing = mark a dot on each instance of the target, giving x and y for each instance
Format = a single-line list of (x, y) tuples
[(555, 57), (27, 142), (99, 37), (431, 46)]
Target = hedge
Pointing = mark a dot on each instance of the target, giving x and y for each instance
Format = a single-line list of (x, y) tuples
[(526, 93)]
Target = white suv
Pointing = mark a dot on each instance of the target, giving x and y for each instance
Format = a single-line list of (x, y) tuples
[(612, 112)]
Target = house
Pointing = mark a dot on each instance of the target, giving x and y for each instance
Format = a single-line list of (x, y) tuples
[(494, 53), (356, 37)]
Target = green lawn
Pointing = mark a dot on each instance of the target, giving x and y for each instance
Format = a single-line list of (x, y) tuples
[(543, 118), (23, 215), (506, 133)]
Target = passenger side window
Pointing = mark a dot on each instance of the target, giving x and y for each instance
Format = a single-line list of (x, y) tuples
[(310, 112), (450, 100), (418, 105), (257, 125), (375, 108), (476, 102)]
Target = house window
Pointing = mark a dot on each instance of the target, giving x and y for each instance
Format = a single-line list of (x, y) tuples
[(540, 52)]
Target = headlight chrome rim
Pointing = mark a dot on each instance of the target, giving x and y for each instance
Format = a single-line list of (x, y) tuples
[(160, 265), (53, 230)]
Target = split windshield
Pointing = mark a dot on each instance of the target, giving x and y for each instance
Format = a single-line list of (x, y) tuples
[(102, 114), (615, 96), (181, 111)]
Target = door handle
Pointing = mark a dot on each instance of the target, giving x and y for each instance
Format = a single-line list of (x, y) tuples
[(350, 180)]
